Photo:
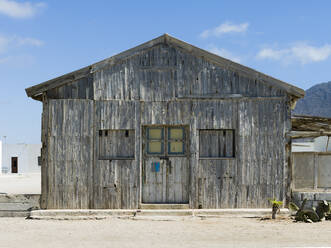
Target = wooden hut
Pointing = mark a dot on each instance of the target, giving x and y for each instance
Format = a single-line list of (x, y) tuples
[(165, 123)]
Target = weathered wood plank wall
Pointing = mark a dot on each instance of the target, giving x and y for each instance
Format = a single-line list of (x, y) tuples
[(116, 182), (70, 153), (163, 85), (165, 73), (256, 173), (79, 89)]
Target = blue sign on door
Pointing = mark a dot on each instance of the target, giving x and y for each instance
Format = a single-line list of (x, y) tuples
[(156, 166)]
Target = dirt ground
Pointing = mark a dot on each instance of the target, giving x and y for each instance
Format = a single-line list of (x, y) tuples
[(191, 232)]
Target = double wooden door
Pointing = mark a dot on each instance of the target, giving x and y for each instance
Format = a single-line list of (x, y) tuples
[(165, 175)]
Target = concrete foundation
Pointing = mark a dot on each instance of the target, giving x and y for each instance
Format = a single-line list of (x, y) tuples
[(27, 205), (150, 213), (18, 205)]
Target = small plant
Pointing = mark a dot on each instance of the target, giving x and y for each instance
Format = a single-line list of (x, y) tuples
[(275, 207)]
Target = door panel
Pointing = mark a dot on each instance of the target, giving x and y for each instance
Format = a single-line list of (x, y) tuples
[(154, 181), (177, 183)]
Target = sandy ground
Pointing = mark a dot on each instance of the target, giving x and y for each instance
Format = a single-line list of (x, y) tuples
[(193, 232), (20, 183)]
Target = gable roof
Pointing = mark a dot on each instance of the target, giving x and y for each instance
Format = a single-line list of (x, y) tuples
[(36, 91)]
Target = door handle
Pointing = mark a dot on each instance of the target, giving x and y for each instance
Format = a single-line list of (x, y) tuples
[(144, 173), (170, 166)]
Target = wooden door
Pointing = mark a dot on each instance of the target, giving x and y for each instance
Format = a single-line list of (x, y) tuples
[(14, 165), (165, 176)]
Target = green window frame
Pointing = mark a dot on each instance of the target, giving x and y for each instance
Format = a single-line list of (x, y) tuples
[(166, 140)]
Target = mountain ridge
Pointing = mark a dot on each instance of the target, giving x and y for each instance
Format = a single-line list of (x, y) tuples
[(317, 101)]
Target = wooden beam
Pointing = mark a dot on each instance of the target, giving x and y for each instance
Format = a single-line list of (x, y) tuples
[(327, 144), (229, 96), (307, 134)]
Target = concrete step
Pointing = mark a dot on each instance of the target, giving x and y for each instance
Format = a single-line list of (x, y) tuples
[(164, 206), (73, 214), (164, 212), (12, 205), (14, 213)]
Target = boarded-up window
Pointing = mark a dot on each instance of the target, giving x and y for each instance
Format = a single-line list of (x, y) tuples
[(116, 144), (217, 143)]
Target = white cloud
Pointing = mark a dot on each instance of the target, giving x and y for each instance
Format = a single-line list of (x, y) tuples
[(16, 9), (3, 44), (224, 53), (4, 60), (29, 41), (9, 47), (299, 52), (18, 60), (226, 27), (269, 53), (9, 42), (12, 50)]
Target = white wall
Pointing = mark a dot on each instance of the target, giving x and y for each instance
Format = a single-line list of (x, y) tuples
[(303, 147), (320, 144), (27, 157), (317, 145)]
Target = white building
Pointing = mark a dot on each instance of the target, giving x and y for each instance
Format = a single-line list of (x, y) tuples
[(322, 144), (19, 158), (319, 144)]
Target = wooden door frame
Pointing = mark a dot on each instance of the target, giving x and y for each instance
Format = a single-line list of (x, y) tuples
[(187, 130)]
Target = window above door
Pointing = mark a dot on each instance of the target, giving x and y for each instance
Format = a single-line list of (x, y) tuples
[(166, 141)]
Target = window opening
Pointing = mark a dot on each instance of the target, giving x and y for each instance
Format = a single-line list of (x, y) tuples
[(217, 143), (155, 140)]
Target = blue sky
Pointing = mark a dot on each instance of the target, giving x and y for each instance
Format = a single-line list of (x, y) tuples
[(39, 40)]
